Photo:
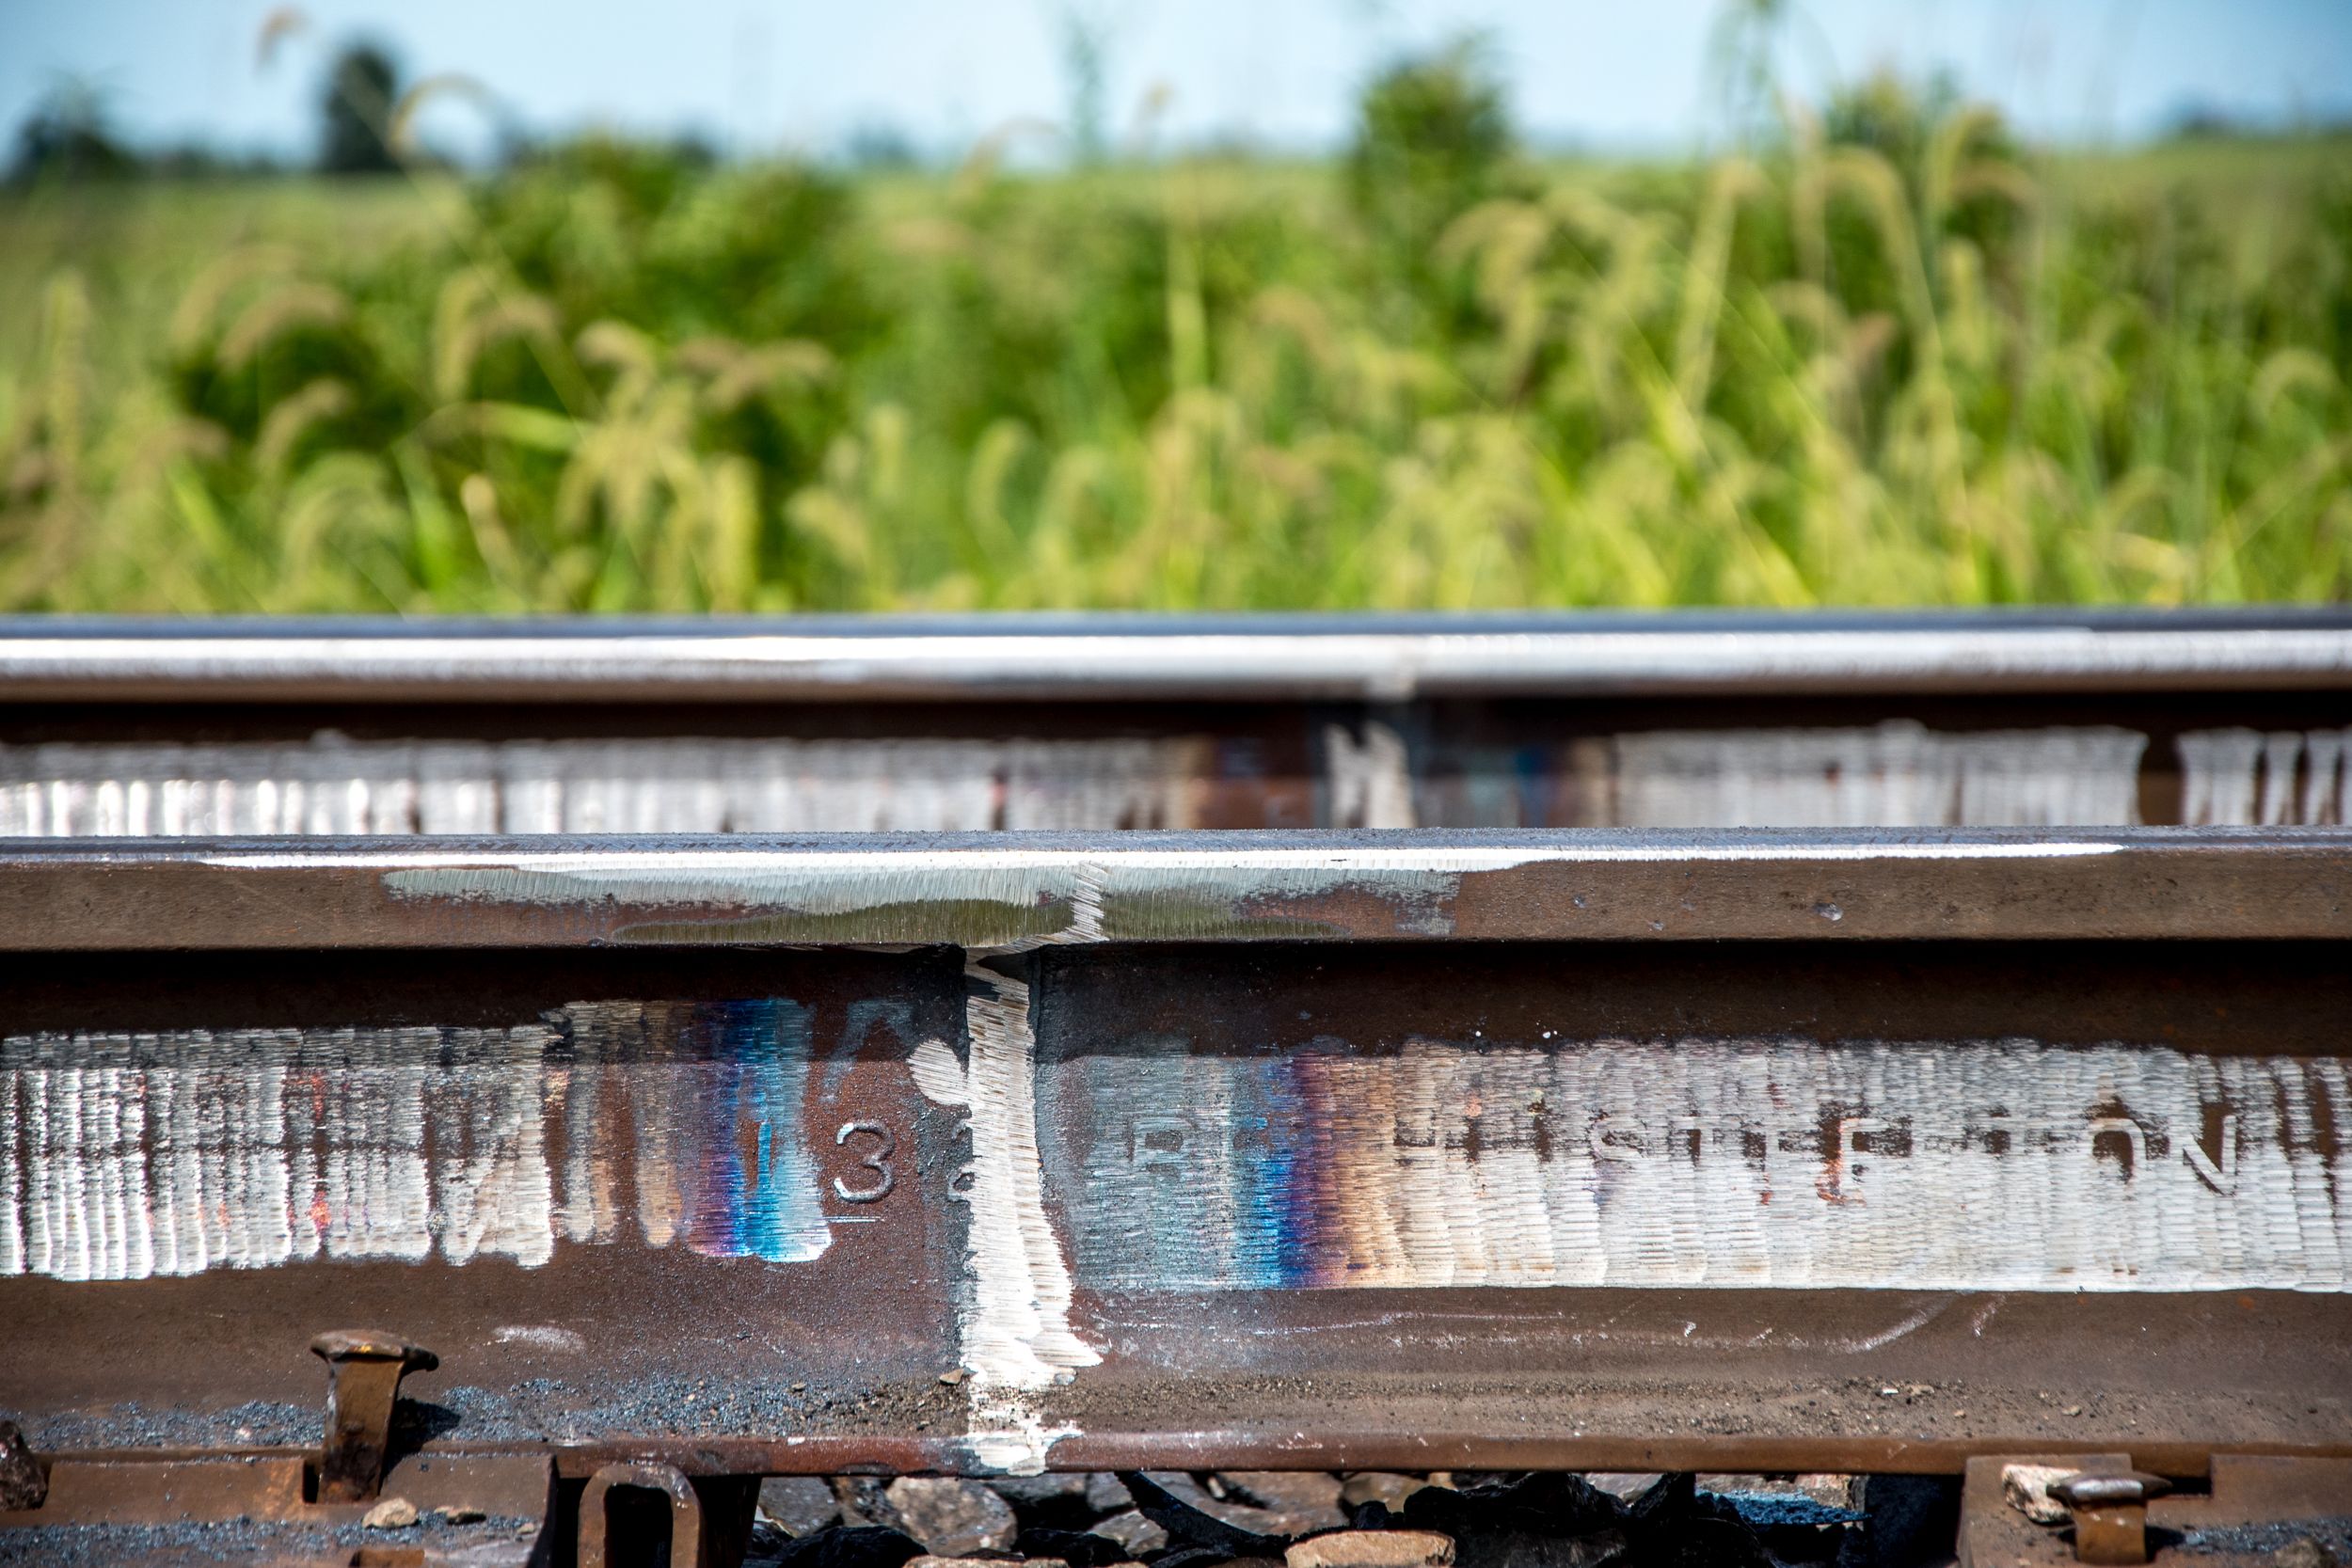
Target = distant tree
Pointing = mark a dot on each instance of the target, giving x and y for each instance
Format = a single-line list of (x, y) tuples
[(355, 112), (2196, 120), (879, 144), (1432, 134), (67, 137), (1890, 115), (194, 160)]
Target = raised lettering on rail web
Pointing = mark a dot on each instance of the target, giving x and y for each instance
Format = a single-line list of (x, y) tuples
[(1976, 1164)]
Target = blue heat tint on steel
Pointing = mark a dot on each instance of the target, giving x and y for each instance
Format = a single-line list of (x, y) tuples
[(1950, 1165), (758, 1191), (129, 1155), (1280, 1234)]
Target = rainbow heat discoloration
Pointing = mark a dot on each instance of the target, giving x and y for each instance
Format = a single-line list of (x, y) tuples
[(737, 1140), (128, 1155), (1975, 1165)]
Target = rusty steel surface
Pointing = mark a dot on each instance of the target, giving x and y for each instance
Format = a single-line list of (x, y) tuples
[(1541, 1044), (1060, 657), (982, 891), (364, 1369), (684, 1534), (222, 1486), (2247, 1508), (141, 1511), (1821, 1206)]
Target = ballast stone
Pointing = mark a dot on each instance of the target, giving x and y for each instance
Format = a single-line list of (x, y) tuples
[(392, 1513), (1373, 1548), (800, 1505), (2027, 1489), (953, 1518)]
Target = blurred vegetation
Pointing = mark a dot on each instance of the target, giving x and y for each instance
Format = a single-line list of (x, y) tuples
[(1884, 356), (67, 138), (355, 112)]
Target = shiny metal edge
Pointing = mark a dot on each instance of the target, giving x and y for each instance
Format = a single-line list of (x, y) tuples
[(1087, 659), (1019, 891)]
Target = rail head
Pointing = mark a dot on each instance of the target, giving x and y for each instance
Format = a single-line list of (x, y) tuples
[(1027, 890), (1121, 658)]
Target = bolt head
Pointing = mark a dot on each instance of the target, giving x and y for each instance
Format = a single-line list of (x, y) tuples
[(2096, 1491)]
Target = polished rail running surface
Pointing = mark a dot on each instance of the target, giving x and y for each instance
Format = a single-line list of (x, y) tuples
[(1365, 658)]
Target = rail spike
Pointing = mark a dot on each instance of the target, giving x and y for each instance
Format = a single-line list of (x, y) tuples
[(364, 1367)]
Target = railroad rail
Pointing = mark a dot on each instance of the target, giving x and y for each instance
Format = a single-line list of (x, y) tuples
[(1865, 1047)]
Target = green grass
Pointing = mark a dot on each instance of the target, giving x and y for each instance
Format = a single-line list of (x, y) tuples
[(614, 381)]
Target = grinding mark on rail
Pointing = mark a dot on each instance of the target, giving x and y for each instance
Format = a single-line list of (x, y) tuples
[(331, 784), (1897, 774), (124, 1156), (1962, 1165), (2241, 777), (844, 881), (1425, 1324), (1370, 780), (1013, 1303), (1911, 1323), (998, 896)]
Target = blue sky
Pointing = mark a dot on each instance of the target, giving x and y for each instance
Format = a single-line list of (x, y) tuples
[(763, 74)]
